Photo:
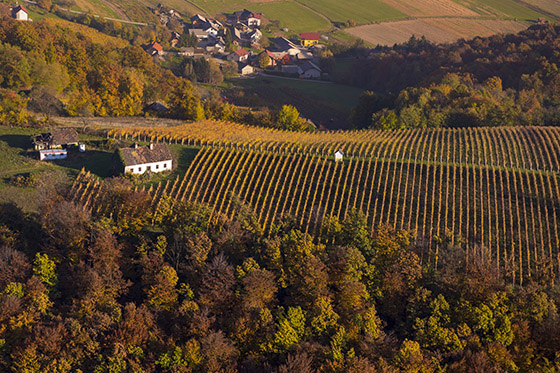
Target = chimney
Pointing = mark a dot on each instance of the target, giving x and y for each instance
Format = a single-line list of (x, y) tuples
[(151, 146), (135, 145)]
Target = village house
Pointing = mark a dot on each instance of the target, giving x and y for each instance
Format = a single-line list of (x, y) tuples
[(154, 49), (56, 139), (245, 69), (19, 13), (309, 39), (284, 45), (310, 71), (139, 159), (252, 19), (239, 55), (197, 21), (199, 33)]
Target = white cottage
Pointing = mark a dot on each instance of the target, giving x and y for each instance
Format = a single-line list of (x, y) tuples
[(139, 159), (20, 13), (338, 156)]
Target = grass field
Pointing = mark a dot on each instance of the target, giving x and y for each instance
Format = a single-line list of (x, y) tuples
[(323, 103), (438, 30), (503, 8), (359, 11), (431, 8)]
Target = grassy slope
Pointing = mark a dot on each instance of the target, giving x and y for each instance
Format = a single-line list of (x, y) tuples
[(18, 158), (360, 11), (502, 8), (327, 104)]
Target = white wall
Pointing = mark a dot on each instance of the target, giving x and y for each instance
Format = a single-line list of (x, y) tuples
[(50, 156), (21, 16), (153, 167)]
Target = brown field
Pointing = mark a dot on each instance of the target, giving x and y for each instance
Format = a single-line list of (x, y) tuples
[(437, 30), (431, 8), (551, 6)]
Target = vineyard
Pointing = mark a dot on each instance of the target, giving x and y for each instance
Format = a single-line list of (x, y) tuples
[(490, 187)]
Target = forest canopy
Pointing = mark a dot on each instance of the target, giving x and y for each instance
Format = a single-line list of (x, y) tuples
[(501, 80)]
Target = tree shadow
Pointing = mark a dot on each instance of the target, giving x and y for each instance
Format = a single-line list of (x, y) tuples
[(186, 156), (22, 142), (97, 162)]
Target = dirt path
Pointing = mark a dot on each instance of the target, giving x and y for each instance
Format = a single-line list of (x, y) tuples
[(117, 9)]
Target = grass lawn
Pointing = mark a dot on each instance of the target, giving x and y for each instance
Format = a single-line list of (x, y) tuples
[(17, 158), (361, 11), (510, 8), (326, 104)]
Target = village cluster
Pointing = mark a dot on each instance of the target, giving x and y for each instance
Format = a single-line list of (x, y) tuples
[(282, 56)]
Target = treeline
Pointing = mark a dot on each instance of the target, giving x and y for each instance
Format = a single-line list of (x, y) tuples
[(499, 80), (121, 290)]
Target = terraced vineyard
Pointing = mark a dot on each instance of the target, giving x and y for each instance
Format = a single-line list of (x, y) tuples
[(492, 187)]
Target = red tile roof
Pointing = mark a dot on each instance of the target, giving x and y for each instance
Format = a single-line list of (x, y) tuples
[(241, 52), (309, 36)]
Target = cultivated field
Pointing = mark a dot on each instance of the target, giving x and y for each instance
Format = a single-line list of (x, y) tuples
[(431, 8), (359, 11), (492, 187), (437, 30)]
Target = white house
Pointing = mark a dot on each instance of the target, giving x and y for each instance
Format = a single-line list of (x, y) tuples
[(239, 55), (338, 156), (245, 69), (153, 158), (310, 70), (52, 154), (20, 13)]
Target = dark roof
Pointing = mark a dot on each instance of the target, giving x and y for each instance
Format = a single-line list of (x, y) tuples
[(143, 154), (308, 65), (63, 136), (18, 8), (309, 36)]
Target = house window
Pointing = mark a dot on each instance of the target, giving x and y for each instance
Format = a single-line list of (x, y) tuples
[(157, 166), (165, 165), (139, 169)]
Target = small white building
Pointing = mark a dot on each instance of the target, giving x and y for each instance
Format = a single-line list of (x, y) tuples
[(239, 55), (339, 156), (310, 71), (52, 154), (153, 158), (245, 69), (20, 13)]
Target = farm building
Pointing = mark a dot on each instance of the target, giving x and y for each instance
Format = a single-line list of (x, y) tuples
[(56, 139), (245, 69), (139, 159), (245, 16), (310, 71), (52, 154), (309, 39), (339, 156), (20, 13), (154, 49)]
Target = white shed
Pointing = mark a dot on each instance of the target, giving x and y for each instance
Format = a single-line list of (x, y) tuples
[(52, 154), (339, 155)]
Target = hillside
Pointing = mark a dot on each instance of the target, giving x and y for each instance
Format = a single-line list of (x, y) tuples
[(496, 188), (438, 20)]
